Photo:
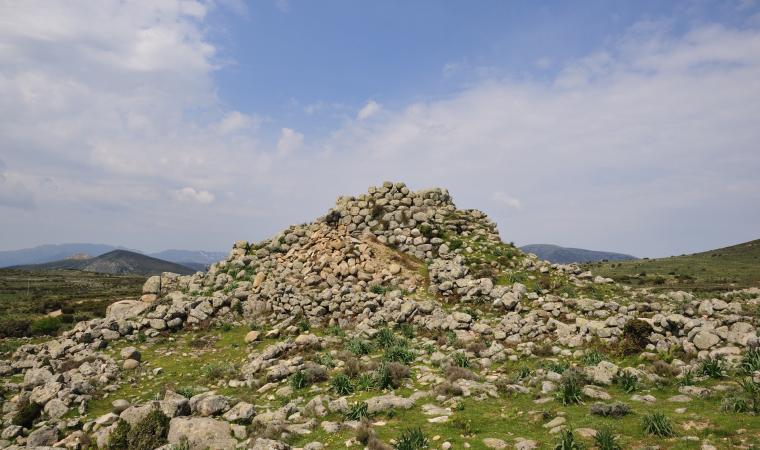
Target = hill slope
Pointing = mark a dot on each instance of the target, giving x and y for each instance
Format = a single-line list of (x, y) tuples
[(117, 262), (566, 255), (51, 252), (728, 267)]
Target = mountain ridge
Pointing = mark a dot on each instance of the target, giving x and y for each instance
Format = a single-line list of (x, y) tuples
[(117, 262), (565, 255)]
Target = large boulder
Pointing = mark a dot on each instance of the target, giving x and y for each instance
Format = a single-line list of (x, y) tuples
[(201, 433), (42, 437), (126, 309)]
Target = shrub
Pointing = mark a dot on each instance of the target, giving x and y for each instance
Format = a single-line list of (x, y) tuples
[(636, 334), (14, 328), (185, 391), (325, 359), (615, 410), (566, 441), (455, 244), (459, 359), (454, 373), (385, 338), (390, 375), (45, 326), (353, 367), (365, 382), (358, 411), (407, 330), (218, 370), (605, 440), (751, 361), (399, 353), (298, 380), (150, 432), (412, 439), (711, 367), (523, 372), (658, 424), (593, 358), (358, 346), (342, 385), (447, 389), (627, 381), (569, 389), (426, 231), (119, 438), (26, 414), (687, 378), (557, 366)]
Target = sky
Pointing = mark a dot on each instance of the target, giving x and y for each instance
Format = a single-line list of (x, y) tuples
[(609, 125)]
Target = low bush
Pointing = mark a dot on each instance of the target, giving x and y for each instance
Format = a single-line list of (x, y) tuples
[(636, 334), (593, 358), (454, 373), (358, 347), (119, 438), (342, 385), (45, 326), (390, 375), (614, 410), (399, 353), (447, 389), (149, 433)]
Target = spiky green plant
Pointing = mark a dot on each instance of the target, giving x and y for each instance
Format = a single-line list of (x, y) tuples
[(412, 439), (298, 380), (342, 385), (569, 390), (627, 381), (750, 361), (606, 440), (566, 441), (711, 367), (687, 378), (460, 360), (593, 358), (658, 424), (398, 353), (358, 411), (385, 338), (358, 346)]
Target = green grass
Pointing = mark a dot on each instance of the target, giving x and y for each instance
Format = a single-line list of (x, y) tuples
[(721, 269), (27, 296)]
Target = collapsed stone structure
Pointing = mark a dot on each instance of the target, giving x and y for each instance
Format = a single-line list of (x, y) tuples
[(385, 257)]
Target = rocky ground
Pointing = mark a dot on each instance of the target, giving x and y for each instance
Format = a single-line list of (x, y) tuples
[(394, 321)]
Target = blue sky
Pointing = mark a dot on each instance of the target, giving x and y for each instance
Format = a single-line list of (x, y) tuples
[(623, 126)]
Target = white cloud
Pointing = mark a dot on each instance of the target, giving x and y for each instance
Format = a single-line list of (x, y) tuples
[(368, 110), (189, 194), (236, 121), (290, 140), (506, 200)]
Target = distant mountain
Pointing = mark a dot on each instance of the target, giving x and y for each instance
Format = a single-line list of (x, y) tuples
[(52, 252), (118, 262), (566, 255), (192, 258), (196, 259)]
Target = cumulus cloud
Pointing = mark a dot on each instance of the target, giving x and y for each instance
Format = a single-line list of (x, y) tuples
[(290, 140), (189, 194), (368, 110), (236, 121), (647, 145)]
